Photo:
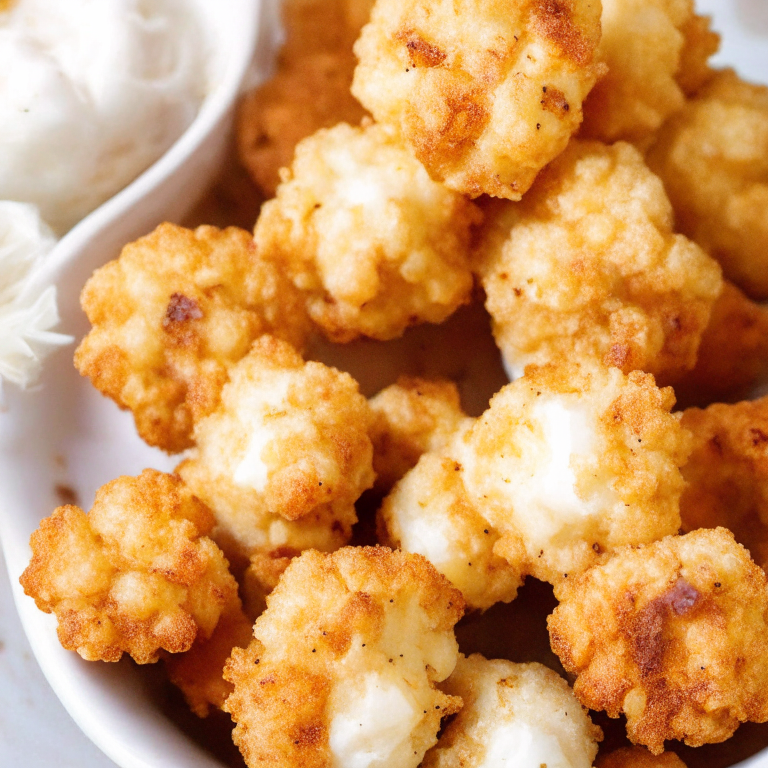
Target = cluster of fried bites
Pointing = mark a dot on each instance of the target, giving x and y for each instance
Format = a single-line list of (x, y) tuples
[(605, 290)]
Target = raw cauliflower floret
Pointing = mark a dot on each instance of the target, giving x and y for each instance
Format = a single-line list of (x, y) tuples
[(713, 159), (638, 757), (673, 634), (284, 457), (588, 266), (525, 712), (485, 94), (576, 461), (344, 665), (171, 314), (727, 473), (430, 513), (372, 241), (137, 574), (411, 417), (656, 52)]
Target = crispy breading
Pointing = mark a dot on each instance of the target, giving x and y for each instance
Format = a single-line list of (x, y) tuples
[(261, 577), (573, 461), (284, 457), (588, 266), (638, 757), (656, 52), (171, 315), (713, 159), (521, 710), (733, 354), (429, 512), (198, 672), (727, 473), (486, 94), (138, 574), (673, 634), (345, 661), (374, 243), (411, 417)]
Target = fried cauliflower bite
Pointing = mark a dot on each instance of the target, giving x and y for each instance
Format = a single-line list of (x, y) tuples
[(372, 241), (733, 354), (284, 457), (411, 417), (673, 634), (198, 672), (656, 51), (344, 665), (637, 757), (485, 94), (430, 513), (727, 473), (587, 266), (171, 315), (713, 159), (525, 712), (573, 462), (137, 574)]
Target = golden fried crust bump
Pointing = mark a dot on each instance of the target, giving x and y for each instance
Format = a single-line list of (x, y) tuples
[(588, 266), (285, 456), (637, 757), (486, 94), (673, 634), (198, 672), (261, 577), (713, 159), (410, 418), (345, 661), (727, 473), (733, 354), (171, 314), (137, 575), (374, 243), (575, 462), (430, 513), (656, 52), (525, 710)]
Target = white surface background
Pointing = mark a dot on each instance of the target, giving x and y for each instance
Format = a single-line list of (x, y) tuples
[(35, 730)]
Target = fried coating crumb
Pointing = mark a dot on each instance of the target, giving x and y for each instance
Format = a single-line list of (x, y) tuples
[(410, 418), (713, 159), (261, 577), (656, 52), (284, 457), (136, 575), (429, 512), (345, 661), (588, 266), (171, 314), (198, 672), (521, 710), (374, 243), (574, 462), (637, 757), (733, 354), (485, 94), (727, 473), (674, 634)]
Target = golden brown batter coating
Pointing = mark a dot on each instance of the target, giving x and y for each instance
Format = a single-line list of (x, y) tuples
[(485, 94), (673, 634), (284, 457), (637, 757), (138, 574), (410, 418), (713, 159), (656, 52), (587, 266), (727, 473), (374, 243), (345, 662), (171, 315)]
